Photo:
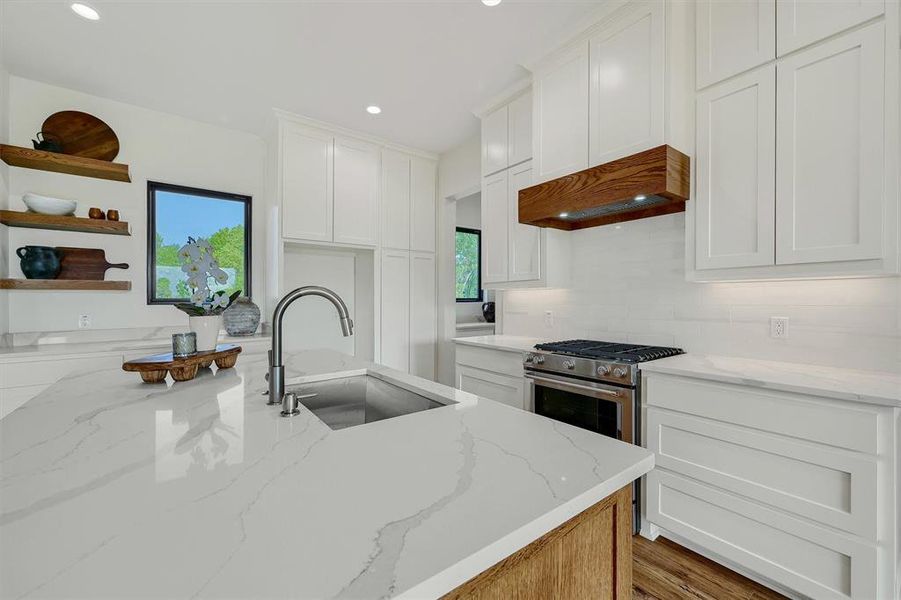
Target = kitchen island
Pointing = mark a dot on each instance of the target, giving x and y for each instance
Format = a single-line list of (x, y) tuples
[(118, 489)]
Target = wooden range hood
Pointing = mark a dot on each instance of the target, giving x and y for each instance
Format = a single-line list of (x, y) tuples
[(647, 184)]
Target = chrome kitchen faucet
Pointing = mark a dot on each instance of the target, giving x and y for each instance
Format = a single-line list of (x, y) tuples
[(276, 368)]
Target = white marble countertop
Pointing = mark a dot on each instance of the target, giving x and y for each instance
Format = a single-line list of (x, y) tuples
[(79, 349), (117, 489), (511, 343), (873, 387), (464, 325)]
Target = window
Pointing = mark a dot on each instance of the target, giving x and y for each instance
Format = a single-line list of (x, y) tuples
[(469, 265), (175, 213)]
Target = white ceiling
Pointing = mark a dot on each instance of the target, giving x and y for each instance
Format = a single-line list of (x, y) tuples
[(427, 63)]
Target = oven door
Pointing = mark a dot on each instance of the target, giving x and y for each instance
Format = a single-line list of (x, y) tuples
[(604, 409)]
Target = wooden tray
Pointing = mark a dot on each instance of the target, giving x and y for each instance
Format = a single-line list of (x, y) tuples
[(82, 134), (153, 369)]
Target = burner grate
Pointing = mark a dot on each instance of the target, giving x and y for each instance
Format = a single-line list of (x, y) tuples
[(630, 353)]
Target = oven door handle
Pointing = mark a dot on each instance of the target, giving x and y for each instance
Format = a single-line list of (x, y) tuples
[(575, 388)]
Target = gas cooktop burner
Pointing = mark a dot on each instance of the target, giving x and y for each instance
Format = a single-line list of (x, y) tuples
[(629, 353)]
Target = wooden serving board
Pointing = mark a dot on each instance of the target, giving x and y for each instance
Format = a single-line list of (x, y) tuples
[(82, 134), (153, 369), (85, 263)]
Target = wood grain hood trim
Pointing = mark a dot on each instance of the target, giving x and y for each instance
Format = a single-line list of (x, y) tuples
[(662, 172)]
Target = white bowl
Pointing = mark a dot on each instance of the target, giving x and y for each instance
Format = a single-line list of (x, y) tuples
[(46, 205)]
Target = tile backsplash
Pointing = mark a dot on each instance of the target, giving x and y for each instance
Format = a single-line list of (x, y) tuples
[(629, 285)]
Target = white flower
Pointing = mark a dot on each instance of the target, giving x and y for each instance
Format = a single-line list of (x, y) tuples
[(198, 297), (221, 301), (219, 275), (202, 243), (191, 268), (198, 280), (189, 252)]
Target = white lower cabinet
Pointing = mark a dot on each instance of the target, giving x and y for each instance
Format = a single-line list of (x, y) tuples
[(408, 312), (493, 374), (796, 489)]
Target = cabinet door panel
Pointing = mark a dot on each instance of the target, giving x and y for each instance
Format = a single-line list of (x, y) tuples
[(803, 22), (356, 192), (395, 200), (733, 36), (395, 334), (830, 184), (307, 171), (423, 314), (735, 206), (500, 388), (423, 193), (560, 119), (525, 240), (519, 130), (494, 228), (494, 141), (626, 103)]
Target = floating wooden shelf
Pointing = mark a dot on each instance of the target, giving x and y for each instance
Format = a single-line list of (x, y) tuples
[(37, 221), (64, 284), (63, 163)]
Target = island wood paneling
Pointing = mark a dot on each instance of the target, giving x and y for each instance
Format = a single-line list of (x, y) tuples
[(588, 557), (662, 172)]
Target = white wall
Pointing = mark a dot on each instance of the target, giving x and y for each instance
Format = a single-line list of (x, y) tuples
[(459, 175), (156, 146), (630, 286), (4, 199)]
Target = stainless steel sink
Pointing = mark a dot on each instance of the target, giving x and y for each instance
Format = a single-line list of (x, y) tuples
[(351, 401)]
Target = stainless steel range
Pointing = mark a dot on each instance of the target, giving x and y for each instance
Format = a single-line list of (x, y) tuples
[(593, 385)]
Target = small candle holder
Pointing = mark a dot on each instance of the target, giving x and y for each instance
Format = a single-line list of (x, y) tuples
[(184, 344)]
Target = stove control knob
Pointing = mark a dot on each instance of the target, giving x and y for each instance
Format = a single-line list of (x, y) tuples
[(539, 360), (603, 370), (619, 372), (569, 364), (530, 358)]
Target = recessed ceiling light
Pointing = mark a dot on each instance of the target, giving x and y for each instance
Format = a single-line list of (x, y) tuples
[(564, 215), (640, 197), (491, 2), (373, 110), (85, 11)]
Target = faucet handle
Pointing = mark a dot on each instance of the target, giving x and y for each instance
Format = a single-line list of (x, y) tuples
[(289, 405)]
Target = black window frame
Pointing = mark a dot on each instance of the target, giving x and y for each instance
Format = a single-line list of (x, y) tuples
[(155, 186), (478, 234)]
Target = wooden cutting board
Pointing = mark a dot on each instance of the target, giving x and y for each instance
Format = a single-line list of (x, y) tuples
[(85, 263), (81, 134)]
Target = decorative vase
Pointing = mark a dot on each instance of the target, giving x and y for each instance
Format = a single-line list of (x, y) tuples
[(39, 262), (207, 330), (242, 317), (488, 312)]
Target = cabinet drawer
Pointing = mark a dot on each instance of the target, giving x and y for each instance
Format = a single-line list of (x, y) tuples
[(834, 487), (821, 420), (501, 388), (497, 361), (51, 370), (804, 557)]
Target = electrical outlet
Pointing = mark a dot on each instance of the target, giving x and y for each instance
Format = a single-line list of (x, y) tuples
[(779, 327), (548, 318), (84, 321)]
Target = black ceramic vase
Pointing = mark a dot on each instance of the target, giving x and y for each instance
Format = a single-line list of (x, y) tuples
[(39, 262), (488, 312)]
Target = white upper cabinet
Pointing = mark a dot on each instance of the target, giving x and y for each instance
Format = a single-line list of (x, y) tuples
[(423, 191), (560, 117), (524, 244), (735, 170), (356, 211), (519, 130), (495, 225), (803, 22), (626, 93), (830, 150), (733, 37), (307, 163), (494, 141), (395, 310), (423, 314), (395, 200)]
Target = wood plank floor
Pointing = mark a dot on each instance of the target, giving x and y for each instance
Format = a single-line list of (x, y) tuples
[(664, 570)]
